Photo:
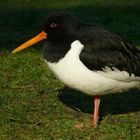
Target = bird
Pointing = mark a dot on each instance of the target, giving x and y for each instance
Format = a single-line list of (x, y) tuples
[(87, 58)]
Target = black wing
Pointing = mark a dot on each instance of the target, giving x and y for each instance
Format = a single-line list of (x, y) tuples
[(103, 48)]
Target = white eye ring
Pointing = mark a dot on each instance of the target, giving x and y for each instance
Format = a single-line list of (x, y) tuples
[(53, 25)]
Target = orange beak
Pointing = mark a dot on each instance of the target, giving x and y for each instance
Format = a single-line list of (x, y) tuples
[(31, 42)]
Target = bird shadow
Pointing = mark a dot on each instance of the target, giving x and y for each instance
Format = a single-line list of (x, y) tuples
[(120, 103)]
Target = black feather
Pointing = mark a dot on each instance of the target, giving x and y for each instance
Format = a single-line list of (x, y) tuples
[(101, 47)]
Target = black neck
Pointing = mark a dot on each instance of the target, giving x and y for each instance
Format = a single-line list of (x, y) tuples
[(53, 52)]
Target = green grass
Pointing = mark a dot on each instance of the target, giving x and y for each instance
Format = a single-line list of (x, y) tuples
[(34, 105)]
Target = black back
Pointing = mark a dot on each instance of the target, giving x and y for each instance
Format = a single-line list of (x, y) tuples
[(101, 47)]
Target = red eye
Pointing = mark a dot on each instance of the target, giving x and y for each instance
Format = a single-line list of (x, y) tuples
[(53, 25)]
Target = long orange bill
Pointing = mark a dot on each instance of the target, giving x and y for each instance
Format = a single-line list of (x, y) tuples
[(31, 42)]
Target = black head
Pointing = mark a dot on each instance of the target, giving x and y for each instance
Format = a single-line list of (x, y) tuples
[(61, 27)]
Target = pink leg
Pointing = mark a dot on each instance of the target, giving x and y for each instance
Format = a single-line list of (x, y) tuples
[(96, 110)]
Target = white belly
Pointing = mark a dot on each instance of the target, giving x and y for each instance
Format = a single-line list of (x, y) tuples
[(71, 71)]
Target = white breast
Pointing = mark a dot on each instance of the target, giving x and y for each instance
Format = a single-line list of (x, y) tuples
[(71, 71)]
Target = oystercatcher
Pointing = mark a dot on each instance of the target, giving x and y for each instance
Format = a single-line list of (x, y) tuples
[(87, 58)]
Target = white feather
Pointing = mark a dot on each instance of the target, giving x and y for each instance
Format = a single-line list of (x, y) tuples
[(71, 71), (118, 75)]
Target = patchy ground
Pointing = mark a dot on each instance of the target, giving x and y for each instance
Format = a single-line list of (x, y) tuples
[(33, 103)]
